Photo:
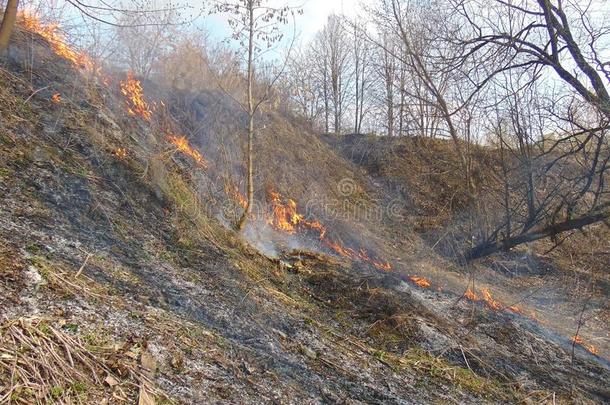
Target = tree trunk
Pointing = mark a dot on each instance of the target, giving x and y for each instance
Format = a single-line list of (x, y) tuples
[(357, 93), (326, 96), (488, 248), (248, 211), (8, 23)]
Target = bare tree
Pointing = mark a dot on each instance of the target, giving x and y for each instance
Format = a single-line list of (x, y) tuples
[(256, 27), (537, 37), (333, 50), (143, 39), (361, 62), (104, 13), (420, 28), (387, 70), (301, 85)]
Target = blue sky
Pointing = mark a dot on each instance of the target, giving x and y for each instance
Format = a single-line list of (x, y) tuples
[(315, 13)]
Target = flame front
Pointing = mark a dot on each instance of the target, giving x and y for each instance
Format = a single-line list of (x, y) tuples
[(286, 218), (589, 347), (182, 145), (420, 281), (136, 105), (233, 191), (486, 298), (56, 98), (51, 33)]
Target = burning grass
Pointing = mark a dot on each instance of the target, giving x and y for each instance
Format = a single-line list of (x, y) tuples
[(421, 281), (52, 34), (485, 297), (182, 145), (136, 104), (285, 217), (56, 98), (577, 340)]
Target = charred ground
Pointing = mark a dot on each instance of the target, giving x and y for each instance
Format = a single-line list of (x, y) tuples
[(121, 280)]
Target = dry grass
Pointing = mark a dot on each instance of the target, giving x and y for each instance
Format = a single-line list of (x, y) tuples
[(43, 363)]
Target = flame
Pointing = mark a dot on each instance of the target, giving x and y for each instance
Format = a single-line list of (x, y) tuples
[(420, 281), (516, 309), (136, 105), (470, 295), (51, 33), (182, 144), (285, 217), (489, 300), (120, 153), (56, 98), (589, 347), (492, 303), (233, 191)]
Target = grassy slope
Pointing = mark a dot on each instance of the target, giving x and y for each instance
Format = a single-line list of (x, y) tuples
[(118, 255)]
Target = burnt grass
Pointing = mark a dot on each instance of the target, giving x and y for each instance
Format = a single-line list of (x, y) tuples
[(117, 253)]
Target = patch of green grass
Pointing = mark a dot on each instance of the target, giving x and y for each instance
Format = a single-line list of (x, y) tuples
[(33, 248), (463, 378), (45, 329), (78, 387), (23, 395), (72, 327), (57, 392)]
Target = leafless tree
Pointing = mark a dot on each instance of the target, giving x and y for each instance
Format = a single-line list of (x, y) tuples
[(143, 39), (362, 80), (256, 27), (538, 38), (332, 49)]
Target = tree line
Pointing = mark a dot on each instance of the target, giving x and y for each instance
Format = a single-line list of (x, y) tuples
[(527, 79)]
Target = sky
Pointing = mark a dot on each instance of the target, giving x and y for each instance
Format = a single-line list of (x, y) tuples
[(315, 13)]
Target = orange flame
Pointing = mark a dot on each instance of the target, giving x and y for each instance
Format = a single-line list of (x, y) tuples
[(589, 347), (493, 304), (420, 281), (120, 153), (182, 145), (136, 105), (232, 191), (487, 298), (51, 33), (286, 218), (56, 98), (470, 295)]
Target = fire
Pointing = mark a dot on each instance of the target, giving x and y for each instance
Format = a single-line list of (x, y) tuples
[(56, 98), (516, 309), (420, 281), (120, 153), (182, 144), (285, 217), (487, 298), (493, 304), (51, 33), (579, 341), (470, 295), (136, 105), (232, 190)]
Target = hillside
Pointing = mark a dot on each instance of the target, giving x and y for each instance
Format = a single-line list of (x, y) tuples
[(122, 278)]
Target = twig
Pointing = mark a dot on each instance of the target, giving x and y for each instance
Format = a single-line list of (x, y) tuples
[(80, 270), (34, 93)]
